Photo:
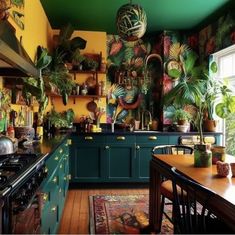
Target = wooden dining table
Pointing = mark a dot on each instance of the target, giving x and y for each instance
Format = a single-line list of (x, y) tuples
[(224, 187)]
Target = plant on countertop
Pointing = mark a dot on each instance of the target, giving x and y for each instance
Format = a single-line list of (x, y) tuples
[(214, 90), (61, 119), (181, 116)]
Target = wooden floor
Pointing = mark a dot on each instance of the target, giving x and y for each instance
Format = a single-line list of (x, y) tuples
[(75, 218)]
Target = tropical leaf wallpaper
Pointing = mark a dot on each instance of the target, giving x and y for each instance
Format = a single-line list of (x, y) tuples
[(134, 78), (217, 36), (140, 73)]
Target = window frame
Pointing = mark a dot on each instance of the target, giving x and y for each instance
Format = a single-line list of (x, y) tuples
[(216, 57)]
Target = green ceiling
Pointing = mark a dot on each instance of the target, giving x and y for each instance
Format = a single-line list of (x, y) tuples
[(99, 15)]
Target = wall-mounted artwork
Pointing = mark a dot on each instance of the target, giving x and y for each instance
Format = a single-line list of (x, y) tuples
[(17, 11)]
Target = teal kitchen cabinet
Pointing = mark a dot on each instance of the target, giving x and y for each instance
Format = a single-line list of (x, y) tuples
[(144, 145), (120, 158), (88, 158), (54, 188)]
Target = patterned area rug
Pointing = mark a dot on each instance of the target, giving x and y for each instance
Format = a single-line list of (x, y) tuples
[(122, 214)]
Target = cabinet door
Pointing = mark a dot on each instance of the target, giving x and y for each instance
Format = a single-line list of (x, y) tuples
[(144, 145), (143, 156), (87, 163), (120, 163), (120, 157), (50, 206)]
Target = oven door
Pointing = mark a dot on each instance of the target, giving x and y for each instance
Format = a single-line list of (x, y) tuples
[(22, 205), (26, 219)]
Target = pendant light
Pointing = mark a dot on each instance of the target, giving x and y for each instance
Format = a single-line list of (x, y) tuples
[(131, 22)]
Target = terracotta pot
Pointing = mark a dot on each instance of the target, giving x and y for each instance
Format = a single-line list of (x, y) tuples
[(202, 155), (183, 122), (209, 125)]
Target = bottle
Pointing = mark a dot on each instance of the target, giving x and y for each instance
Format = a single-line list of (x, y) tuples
[(102, 88), (99, 88), (11, 131), (47, 126)]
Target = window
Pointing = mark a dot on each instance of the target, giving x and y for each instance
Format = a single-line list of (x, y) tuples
[(225, 60)]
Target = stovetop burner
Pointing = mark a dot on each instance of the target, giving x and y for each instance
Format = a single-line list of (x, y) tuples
[(13, 165)]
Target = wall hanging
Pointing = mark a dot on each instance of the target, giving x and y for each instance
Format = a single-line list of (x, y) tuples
[(131, 22)]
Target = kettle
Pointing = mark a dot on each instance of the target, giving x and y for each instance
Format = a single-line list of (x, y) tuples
[(6, 145)]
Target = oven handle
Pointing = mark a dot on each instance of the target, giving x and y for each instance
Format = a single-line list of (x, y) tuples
[(35, 166)]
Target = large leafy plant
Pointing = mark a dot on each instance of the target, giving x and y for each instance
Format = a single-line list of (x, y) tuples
[(189, 85), (36, 86), (67, 48)]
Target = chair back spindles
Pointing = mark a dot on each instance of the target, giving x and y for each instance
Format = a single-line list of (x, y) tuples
[(191, 207)]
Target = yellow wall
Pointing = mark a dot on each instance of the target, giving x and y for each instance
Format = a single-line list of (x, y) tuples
[(96, 43), (37, 31)]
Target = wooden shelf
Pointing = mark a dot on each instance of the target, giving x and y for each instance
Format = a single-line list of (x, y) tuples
[(94, 97), (86, 71), (80, 96)]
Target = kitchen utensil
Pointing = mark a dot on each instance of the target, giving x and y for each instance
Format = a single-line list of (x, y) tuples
[(91, 106), (6, 145)]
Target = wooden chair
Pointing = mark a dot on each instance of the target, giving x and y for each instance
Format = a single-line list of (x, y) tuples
[(166, 186), (191, 208)]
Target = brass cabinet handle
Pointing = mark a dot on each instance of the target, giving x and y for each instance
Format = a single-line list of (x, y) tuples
[(45, 196), (45, 170), (152, 137), (121, 138), (53, 208), (65, 178), (55, 179), (69, 177), (61, 151), (69, 142), (88, 138), (61, 166), (56, 158), (106, 147), (137, 147)]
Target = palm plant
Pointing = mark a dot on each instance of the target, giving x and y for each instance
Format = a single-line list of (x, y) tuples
[(189, 87)]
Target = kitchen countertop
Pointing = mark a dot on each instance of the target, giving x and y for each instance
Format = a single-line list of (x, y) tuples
[(140, 132), (46, 146), (49, 145)]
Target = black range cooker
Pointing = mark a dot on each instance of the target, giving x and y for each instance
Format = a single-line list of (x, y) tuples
[(20, 204)]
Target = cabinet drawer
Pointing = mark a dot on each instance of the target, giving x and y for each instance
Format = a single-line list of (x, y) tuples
[(155, 139), (52, 162), (87, 139), (120, 139)]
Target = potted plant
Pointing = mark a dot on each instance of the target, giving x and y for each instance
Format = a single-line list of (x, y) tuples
[(213, 90), (189, 90), (69, 48), (182, 117), (89, 64), (60, 120)]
